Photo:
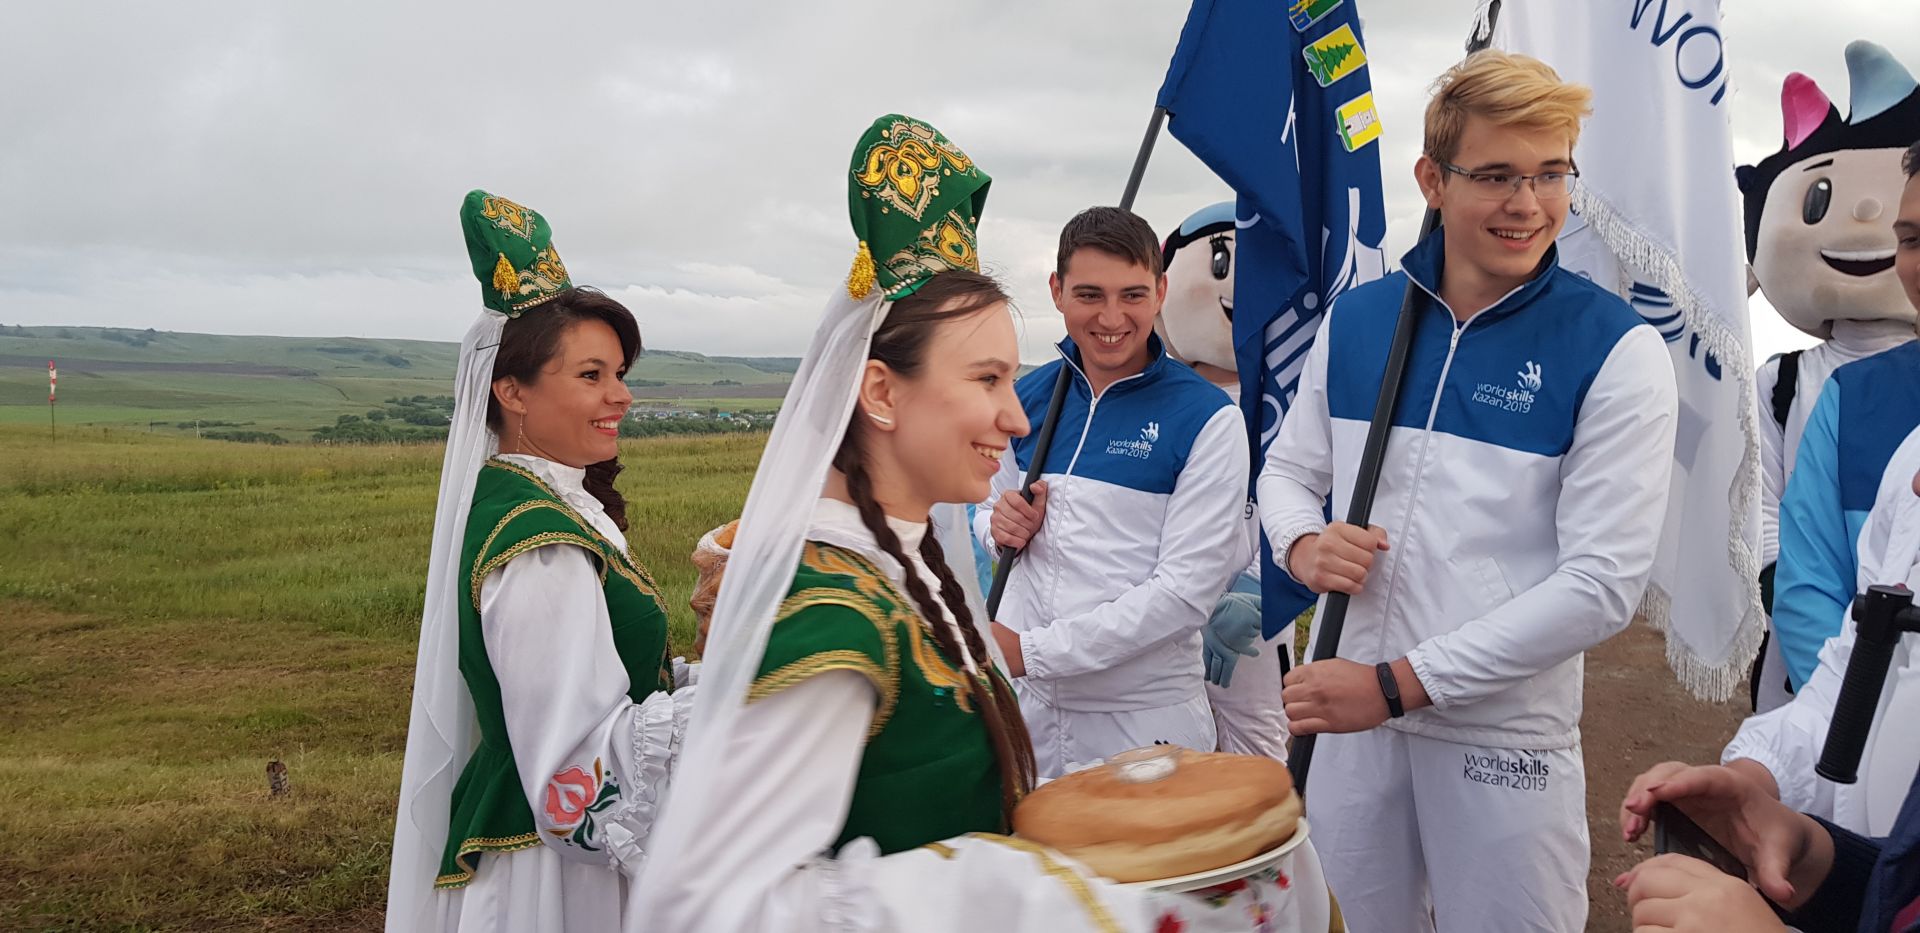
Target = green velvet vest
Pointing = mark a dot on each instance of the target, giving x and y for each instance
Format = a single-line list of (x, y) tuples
[(514, 512), (928, 771)]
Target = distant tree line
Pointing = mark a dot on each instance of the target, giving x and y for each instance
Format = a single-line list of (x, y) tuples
[(400, 420), (423, 418), (353, 429), (765, 364), (131, 338), (245, 437), (662, 427), (370, 355)]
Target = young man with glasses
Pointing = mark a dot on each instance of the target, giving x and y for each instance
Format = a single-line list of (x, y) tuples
[(1519, 509)]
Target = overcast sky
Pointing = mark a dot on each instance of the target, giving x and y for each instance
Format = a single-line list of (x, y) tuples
[(296, 168)]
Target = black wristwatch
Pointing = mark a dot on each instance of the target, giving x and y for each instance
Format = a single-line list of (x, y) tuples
[(1391, 689)]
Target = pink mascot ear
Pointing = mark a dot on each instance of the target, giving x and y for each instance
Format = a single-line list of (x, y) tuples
[(1803, 107)]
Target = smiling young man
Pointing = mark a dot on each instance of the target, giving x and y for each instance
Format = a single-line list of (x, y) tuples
[(1522, 497), (1137, 525)]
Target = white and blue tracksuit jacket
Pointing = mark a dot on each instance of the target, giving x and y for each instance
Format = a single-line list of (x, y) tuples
[(1866, 408), (1144, 529), (1523, 492)]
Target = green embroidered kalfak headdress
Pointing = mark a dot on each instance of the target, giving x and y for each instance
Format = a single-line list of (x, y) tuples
[(915, 200), (512, 252)]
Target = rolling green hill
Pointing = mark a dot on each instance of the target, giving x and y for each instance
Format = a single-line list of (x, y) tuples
[(289, 385)]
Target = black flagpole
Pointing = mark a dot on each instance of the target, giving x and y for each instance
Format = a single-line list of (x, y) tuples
[(1004, 566), (1332, 619)]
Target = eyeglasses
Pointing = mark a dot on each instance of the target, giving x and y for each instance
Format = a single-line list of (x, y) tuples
[(1499, 186)]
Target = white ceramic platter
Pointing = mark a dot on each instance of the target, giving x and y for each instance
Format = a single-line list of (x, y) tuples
[(1226, 873)]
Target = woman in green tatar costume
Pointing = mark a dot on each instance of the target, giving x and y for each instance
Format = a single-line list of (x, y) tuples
[(858, 751), (544, 712)]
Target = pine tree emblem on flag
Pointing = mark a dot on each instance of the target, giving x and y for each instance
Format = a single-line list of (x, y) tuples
[(1305, 13), (1334, 56), (1359, 122)]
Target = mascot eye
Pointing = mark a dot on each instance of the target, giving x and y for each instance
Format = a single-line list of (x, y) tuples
[(1222, 259), (1818, 197)]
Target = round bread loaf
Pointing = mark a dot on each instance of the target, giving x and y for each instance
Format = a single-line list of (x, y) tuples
[(1212, 810)]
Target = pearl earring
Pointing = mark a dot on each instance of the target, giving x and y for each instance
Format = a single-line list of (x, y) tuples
[(886, 421)]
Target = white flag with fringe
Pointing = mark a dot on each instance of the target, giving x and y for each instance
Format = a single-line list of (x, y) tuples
[(1658, 220)]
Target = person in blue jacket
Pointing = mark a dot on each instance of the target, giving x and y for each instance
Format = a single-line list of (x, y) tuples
[(1520, 503), (1138, 522), (1865, 410)]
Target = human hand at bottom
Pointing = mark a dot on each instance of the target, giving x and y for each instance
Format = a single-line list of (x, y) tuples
[(1787, 855), (1685, 895), (1009, 642)]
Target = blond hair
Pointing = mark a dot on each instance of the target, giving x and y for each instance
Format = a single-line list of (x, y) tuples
[(1508, 90)]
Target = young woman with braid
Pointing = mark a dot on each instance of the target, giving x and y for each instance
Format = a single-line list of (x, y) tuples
[(857, 751)]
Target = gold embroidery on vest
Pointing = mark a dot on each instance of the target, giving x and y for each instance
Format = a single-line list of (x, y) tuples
[(888, 673), (623, 562), (482, 844), (939, 673), (845, 659), (482, 569), (1096, 911)]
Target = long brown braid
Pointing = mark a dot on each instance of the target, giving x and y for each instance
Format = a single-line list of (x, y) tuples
[(1006, 730), (1018, 771), (901, 343), (599, 484)]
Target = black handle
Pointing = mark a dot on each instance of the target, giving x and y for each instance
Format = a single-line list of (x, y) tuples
[(1004, 566), (1332, 619), (1880, 616)]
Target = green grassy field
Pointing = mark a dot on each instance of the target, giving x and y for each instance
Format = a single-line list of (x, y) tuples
[(283, 385), (286, 405), (180, 612)]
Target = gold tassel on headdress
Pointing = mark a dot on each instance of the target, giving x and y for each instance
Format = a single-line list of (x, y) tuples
[(504, 278), (860, 280)]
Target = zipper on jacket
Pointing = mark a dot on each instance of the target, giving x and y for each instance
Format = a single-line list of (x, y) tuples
[(1426, 441), (1047, 597), (1093, 405)]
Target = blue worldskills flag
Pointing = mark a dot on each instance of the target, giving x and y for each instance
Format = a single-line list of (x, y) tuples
[(1276, 99)]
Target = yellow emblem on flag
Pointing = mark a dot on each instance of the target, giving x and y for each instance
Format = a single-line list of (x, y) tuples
[(1334, 56), (1359, 122)]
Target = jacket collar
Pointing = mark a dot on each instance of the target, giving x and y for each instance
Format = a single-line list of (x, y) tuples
[(1156, 365), (1425, 261)]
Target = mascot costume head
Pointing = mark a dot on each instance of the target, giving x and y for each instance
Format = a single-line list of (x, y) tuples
[(1819, 213), (1196, 322)]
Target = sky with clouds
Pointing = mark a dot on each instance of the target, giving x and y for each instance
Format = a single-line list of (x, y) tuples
[(296, 168)]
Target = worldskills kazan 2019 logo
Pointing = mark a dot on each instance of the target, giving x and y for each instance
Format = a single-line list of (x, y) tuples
[(1139, 449), (1516, 770), (1517, 398)]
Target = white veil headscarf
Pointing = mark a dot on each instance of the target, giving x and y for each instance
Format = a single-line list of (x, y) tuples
[(773, 529), (440, 730)]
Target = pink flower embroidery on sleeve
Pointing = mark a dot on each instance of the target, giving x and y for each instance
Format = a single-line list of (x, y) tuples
[(573, 797), (568, 794)]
